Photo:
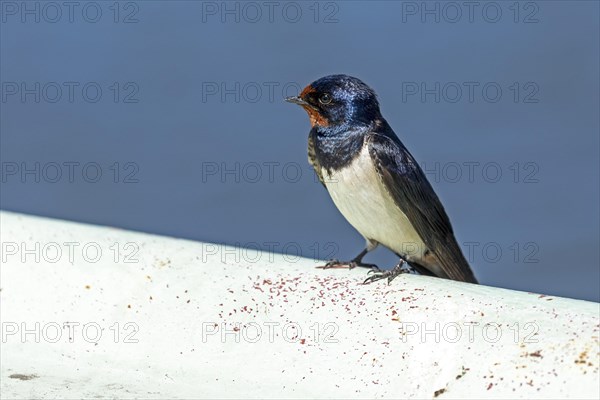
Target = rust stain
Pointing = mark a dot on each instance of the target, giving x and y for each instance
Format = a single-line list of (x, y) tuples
[(583, 359)]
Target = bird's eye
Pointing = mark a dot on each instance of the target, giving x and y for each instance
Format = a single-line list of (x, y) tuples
[(325, 99)]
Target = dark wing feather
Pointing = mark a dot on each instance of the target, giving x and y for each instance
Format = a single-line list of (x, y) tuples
[(312, 158), (412, 192)]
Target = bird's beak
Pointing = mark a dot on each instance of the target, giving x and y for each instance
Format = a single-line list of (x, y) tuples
[(296, 100)]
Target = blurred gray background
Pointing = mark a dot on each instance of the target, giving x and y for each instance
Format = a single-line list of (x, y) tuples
[(178, 105)]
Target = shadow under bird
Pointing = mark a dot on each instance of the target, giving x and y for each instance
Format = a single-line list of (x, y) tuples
[(376, 183)]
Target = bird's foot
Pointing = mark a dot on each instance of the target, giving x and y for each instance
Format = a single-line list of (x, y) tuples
[(378, 274), (335, 263)]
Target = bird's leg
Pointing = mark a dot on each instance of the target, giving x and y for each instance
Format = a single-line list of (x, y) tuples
[(390, 274), (355, 262)]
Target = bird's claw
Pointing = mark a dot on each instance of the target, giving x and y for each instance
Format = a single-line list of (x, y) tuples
[(390, 274), (374, 269), (335, 263)]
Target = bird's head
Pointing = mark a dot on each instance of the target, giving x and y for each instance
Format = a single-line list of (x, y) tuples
[(338, 101)]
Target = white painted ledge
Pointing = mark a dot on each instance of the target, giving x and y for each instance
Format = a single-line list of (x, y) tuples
[(179, 299)]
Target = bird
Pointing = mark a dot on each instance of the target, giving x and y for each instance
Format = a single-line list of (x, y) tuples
[(376, 183)]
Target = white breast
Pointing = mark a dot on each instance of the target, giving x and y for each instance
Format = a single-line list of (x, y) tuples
[(359, 194)]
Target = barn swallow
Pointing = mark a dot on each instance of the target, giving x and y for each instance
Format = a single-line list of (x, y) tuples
[(376, 183)]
